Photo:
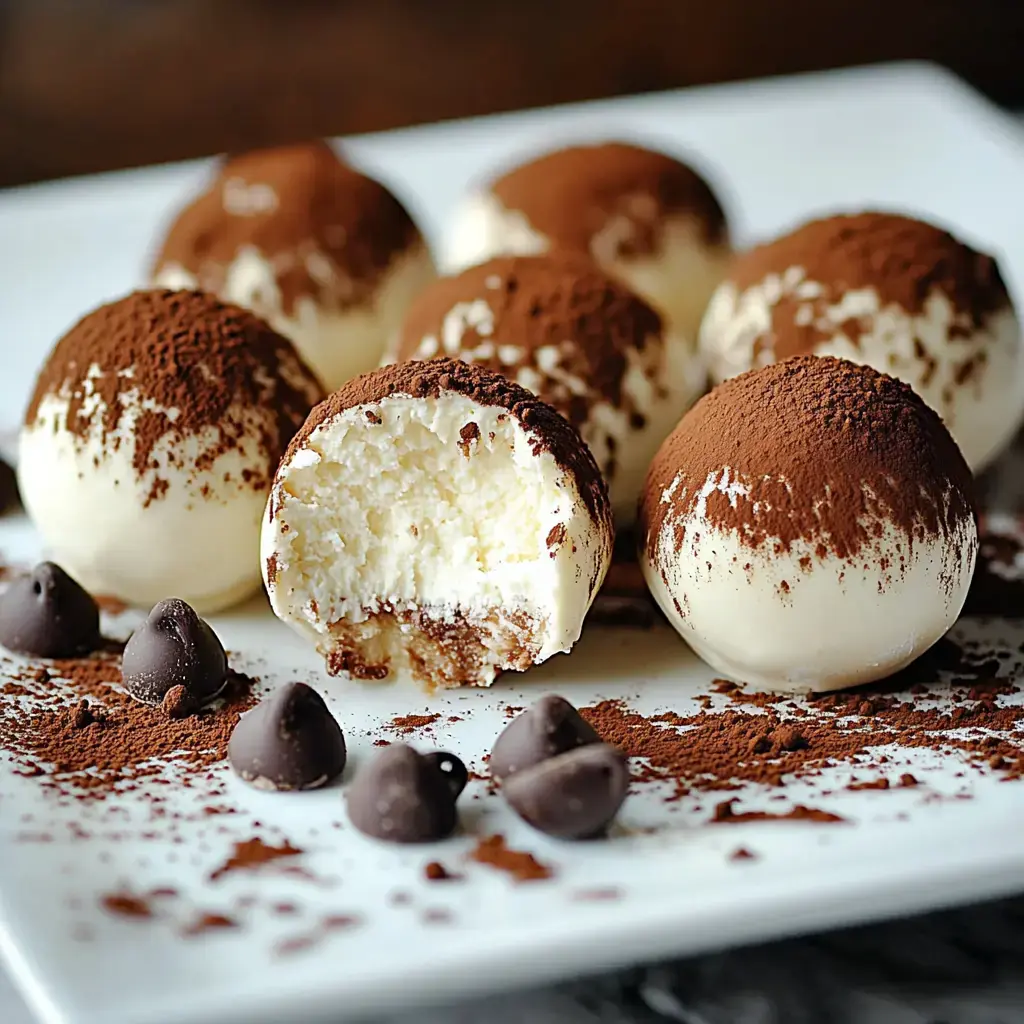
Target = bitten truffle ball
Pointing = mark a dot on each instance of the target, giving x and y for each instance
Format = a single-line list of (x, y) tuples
[(809, 526), (436, 519), (647, 218), (895, 293), (328, 256), (578, 339), (150, 443)]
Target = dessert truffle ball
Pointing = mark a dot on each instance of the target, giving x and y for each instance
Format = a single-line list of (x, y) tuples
[(328, 256), (649, 219), (579, 340), (897, 294), (150, 443), (435, 518), (809, 526)]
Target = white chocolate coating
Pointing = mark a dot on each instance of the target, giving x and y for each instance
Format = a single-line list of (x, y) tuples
[(798, 620)]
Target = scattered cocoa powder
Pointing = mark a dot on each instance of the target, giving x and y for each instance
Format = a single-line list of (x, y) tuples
[(408, 724), (724, 749), (881, 783), (252, 854), (725, 813), (70, 724), (522, 866), (124, 904), (437, 872), (208, 922)]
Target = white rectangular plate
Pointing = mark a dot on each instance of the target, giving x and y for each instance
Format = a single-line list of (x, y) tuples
[(907, 137)]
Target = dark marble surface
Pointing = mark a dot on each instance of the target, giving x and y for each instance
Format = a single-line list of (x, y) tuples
[(962, 966)]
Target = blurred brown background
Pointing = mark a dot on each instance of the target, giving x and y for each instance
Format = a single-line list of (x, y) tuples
[(88, 85)]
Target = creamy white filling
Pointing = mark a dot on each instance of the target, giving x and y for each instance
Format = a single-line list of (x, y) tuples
[(425, 511), (934, 351), (337, 344), (794, 620), (678, 279), (131, 537)]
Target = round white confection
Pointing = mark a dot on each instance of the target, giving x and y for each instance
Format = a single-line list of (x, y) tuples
[(800, 619), (337, 344), (973, 377), (132, 537), (678, 279)]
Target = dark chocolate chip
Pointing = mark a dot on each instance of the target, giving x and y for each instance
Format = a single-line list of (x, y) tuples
[(405, 797), (549, 727), (451, 768), (290, 740), (574, 795), (174, 647), (48, 614)]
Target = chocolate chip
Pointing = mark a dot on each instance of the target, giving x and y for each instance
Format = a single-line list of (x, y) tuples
[(406, 797), (290, 740), (174, 647), (177, 702), (454, 771), (549, 727), (574, 795), (48, 614)]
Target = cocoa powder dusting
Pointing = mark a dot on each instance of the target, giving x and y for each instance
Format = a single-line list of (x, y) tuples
[(253, 854), (725, 813), (825, 451), (782, 738), (522, 866), (405, 725), (210, 922), (558, 303), (571, 195), (188, 352), (123, 904), (903, 259), (83, 737), (299, 207)]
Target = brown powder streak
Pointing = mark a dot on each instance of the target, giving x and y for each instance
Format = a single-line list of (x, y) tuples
[(188, 352), (827, 450), (86, 738), (522, 866), (571, 194), (322, 208)]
